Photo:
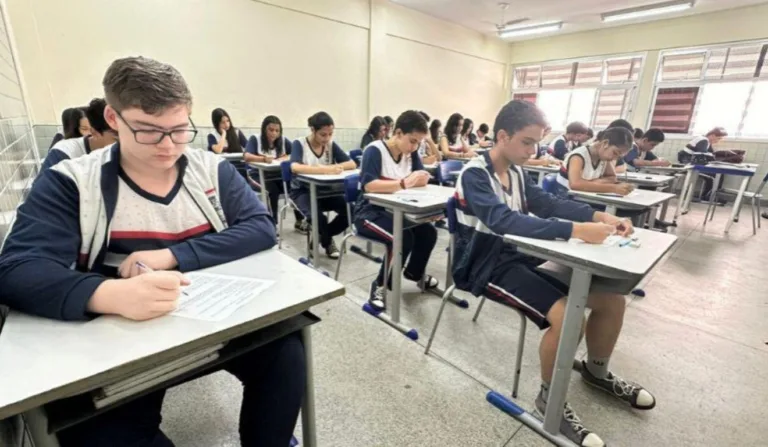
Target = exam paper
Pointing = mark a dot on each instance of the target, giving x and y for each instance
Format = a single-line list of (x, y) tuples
[(212, 297)]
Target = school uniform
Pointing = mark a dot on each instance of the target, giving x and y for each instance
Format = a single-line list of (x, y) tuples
[(273, 183), (375, 222), (302, 153), (67, 150), (56, 138), (593, 169), (471, 139), (457, 146), (636, 154), (367, 139), (700, 145), (560, 147), (487, 210), (80, 221), (214, 138)]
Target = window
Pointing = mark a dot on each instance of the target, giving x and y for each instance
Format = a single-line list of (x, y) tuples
[(726, 86), (593, 91)]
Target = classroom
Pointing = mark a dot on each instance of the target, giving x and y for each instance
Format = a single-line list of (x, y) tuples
[(383, 223)]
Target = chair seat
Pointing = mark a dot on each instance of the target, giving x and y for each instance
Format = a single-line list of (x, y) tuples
[(751, 195)]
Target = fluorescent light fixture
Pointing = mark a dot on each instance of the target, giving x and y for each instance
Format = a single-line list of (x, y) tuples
[(517, 31), (647, 11)]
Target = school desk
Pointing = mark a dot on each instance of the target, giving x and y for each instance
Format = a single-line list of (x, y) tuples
[(417, 205), (541, 171), (639, 199), (45, 360), (593, 267), (263, 169)]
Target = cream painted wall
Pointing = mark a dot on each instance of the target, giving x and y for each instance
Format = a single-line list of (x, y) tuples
[(703, 29), (352, 58)]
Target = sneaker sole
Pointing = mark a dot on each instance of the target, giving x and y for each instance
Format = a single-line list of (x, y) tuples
[(598, 387)]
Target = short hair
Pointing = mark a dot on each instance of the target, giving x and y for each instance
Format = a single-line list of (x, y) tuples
[(426, 117), (577, 127), (617, 136), (389, 120), (516, 115), (718, 132), (95, 114), (655, 135), (590, 133), (146, 84), (483, 128), (411, 121), (623, 123), (639, 133), (320, 120), (70, 122)]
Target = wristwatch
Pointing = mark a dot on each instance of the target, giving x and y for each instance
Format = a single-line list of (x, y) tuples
[(402, 184)]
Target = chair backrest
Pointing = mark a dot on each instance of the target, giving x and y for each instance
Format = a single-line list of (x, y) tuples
[(357, 156), (550, 183), (444, 169), (285, 171), (351, 188), (450, 211)]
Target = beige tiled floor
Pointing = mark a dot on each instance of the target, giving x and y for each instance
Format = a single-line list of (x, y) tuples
[(698, 341)]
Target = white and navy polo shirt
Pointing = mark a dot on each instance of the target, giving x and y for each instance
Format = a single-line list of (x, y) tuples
[(593, 169), (379, 164)]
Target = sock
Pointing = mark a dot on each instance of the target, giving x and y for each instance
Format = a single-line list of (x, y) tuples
[(545, 391), (598, 366)]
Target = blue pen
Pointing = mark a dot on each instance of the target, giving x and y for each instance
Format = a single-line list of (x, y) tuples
[(624, 243)]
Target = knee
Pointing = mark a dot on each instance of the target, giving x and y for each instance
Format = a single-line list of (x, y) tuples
[(289, 353), (609, 304)]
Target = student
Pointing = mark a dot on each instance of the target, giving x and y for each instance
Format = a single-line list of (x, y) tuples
[(590, 135), (270, 145), (428, 150), (590, 168), (390, 123), (467, 132), (226, 138), (638, 133), (390, 166), (704, 145), (642, 151), (496, 197), (451, 144), (149, 199), (575, 132), (620, 167), (541, 156), (74, 124), (99, 135), (377, 130), (483, 140), (318, 154)]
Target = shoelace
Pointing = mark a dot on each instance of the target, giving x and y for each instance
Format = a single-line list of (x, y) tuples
[(622, 387), (574, 421)]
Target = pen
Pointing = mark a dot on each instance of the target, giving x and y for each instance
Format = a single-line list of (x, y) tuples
[(625, 243), (141, 266), (608, 194)]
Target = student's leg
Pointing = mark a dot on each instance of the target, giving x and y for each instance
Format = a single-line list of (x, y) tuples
[(424, 238), (274, 379), (302, 201), (341, 221), (273, 191), (137, 423), (378, 228)]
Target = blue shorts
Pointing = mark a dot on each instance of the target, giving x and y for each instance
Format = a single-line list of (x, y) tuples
[(517, 283)]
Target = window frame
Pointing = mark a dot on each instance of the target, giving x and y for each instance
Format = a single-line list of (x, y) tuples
[(632, 87), (703, 82)]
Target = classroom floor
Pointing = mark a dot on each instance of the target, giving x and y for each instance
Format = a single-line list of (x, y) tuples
[(695, 341)]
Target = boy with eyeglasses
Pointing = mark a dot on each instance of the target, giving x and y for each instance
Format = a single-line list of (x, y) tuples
[(88, 224)]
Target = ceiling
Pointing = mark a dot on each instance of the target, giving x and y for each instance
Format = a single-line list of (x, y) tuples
[(578, 15)]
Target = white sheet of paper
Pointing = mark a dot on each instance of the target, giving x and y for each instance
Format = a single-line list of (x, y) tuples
[(212, 297)]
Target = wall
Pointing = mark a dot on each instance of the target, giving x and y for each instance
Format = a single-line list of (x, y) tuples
[(352, 58), (18, 161), (703, 29)]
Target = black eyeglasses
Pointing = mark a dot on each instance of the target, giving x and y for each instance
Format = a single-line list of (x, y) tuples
[(178, 136)]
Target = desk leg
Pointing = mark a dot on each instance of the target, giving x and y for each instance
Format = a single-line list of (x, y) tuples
[(392, 318), (690, 184), (652, 217), (737, 203), (309, 433), (315, 223), (264, 198), (566, 349), (37, 423), (712, 200), (541, 179)]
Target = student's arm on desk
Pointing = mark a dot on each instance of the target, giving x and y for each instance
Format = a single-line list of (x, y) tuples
[(340, 158), (250, 228), (213, 146), (577, 183), (499, 218), (35, 273), (298, 166)]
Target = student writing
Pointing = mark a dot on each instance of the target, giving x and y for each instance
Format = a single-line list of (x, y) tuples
[(428, 150), (642, 154), (377, 130), (318, 154), (451, 144), (467, 132), (575, 133), (388, 167), (174, 209), (483, 140), (496, 197), (704, 144)]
